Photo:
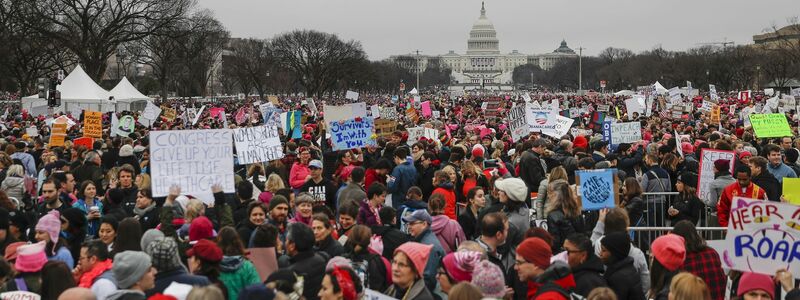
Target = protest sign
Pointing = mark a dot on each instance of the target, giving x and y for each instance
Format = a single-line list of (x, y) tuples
[(344, 112), (707, 106), (412, 115), (634, 105), (57, 135), (561, 128), (294, 127), (151, 111), (353, 133), (431, 134), (791, 190), (516, 123), (580, 132), (628, 132), (706, 174), (436, 114), (257, 144), (770, 125), (351, 95), (384, 127), (596, 188), (762, 237), (273, 99), (414, 134), (376, 111), (192, 159), (539, 119), (217, 112), (87, 142), (263, 260), (240, 116), (603, 107), (526, 97), (388, 113), (169, 113), (93, 124), (33, 296), (426, 109), (376, 295), (32, 131), (126, 125), (715, 114), (712, 91)]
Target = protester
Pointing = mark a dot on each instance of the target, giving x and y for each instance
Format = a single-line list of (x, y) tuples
[(586, 267), (324, 241), (688, 286), (204, 260), (134, 274), (420, 230), (669, 254), (408, 265), (370, 267), (702, 260), (448, 231), (468, 219), (457, 267), (620, 273)]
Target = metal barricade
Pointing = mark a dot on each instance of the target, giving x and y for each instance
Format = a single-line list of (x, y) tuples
[(708, 233), (657, 204)]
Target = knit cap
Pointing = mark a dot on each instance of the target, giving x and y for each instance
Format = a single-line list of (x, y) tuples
[(722, 164), (489, 279), (460, 265), (277, 200), (31, 257), (688, 179), (338, 261), (206, 250), (618, 243), (669, 250), (50, 223), (126, 150), (129, 267), (164, 252), (477, 150), (201, 228), (417, 253), (148, 237), (754, 281), (535, 251)]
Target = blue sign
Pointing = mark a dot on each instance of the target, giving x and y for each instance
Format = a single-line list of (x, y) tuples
[(352, 133), (597, 188), (607, 136)]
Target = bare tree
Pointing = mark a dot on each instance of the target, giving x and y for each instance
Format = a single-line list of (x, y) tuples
[(318, 59), (253, 61), (93, 29)]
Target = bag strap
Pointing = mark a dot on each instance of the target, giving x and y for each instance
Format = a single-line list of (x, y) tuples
[(21, 286), (659, 180)]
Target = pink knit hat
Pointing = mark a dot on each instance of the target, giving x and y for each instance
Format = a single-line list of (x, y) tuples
[(753, 281), (31, 258), (461, 264), (669, 250), (489, 279), (50, 223), (417, 253)]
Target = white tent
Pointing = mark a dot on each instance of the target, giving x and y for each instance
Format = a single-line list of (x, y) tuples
[(660, 88), (128, 96), (78, 92), (625, 93)]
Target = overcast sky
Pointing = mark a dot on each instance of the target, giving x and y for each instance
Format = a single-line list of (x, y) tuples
[(387, 28)]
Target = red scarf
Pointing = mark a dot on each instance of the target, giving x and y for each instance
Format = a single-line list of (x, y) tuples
[(88, 278)]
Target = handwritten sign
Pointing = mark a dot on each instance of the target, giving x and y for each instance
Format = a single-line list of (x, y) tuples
[(375, 110), (516, 123), (579, 131), (151, 111), (426, 109), (57, 135), (32, 131), (353, 133), (603, 107), (385, 127), (192, 159), (431, 134), (715, 114), (414, 134), (169, 113), (257, 144), (561, 129), (388, 113), (762, 237), (706, 174), (86, 142), (770, 125), (628, 132), (93, 124), (412, 115), (597, 188), (351, 95)]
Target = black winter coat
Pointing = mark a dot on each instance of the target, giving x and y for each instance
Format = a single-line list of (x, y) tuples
[(331, 247), (560, 227), (770, 184), (392, 238), (531, 170), (623, 279), (588, 275), (311, 266)]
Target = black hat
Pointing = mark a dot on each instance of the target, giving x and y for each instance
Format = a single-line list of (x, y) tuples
[(618, 243), (688, 179)]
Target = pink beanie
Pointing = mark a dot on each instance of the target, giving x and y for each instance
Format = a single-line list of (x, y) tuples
[(753, 281), (477, 150), (31, 258), (417, 253), (687, 147), (50, 223), (670, 251), (461, 264), (488, 277)]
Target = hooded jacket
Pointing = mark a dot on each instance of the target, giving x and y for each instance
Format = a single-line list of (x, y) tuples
[(405, 176), (623, 279), (237, 273), (14, 187), (716, 187), (446, 189), (427, 237), (448, 231), (588, 275), (555, 283), (127, 295)]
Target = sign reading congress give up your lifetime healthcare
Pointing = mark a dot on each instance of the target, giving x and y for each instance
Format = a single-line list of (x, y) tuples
[(352, 133), (192, 159)]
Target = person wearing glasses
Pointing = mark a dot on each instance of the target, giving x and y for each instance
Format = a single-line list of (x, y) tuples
[(545, 280), (408, 265), (419, 227), (586, 267)]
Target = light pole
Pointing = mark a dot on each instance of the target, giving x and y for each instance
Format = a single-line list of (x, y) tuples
[(580, 68), (417, 70)]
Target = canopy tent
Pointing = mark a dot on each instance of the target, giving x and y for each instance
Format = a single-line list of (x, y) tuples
[(78, 92), (625, 93), (125, 92), (660, 88)]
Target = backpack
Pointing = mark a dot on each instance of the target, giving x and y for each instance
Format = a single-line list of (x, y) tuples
[(552, 287), (361, 268)]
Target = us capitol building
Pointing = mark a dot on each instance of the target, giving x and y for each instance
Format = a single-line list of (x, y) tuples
[(483, 66)]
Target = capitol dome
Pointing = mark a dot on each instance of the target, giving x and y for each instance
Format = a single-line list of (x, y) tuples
[(483, 37)]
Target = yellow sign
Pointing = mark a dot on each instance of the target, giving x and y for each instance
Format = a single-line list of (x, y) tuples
[(169, 113), (385, 127), (92, 124), (791, 190), (273, 99), (57, 135), (412, 115), (715, 112)]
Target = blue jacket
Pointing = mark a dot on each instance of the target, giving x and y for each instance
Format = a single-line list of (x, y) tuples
[(427, 237), (405, 176), (781, 171)]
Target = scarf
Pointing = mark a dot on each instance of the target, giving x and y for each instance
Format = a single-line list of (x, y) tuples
[(140, 212), (299, 219), (88, 278)]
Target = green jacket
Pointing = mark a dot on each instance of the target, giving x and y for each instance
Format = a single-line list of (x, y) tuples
[(237, 273)]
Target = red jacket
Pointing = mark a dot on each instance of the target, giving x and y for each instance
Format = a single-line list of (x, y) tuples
[(449, 200), (732, 191), (567, 283)]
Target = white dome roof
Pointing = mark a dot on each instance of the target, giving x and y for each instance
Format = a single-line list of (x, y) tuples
[(483, 23)]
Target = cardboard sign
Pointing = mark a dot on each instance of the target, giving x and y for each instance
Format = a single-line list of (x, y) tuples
[(85, 142), (353, 133), (791, 190), (706, 174), (762, 237), (634, 105), (540, 119), (628, 132), (715, 114), (426, 109), (384, 127), (412, 115), (597, 188), (57, 135), (770, 125), (388, 113), (151, 111), (561, 129), (169, 113), (351, 95), (257, 144), (93, 124), (414, 134), (375, 110), (192, 159), (273, 99), (516, 123)]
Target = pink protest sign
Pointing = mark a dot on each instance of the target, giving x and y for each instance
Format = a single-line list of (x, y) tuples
[(426, 109)]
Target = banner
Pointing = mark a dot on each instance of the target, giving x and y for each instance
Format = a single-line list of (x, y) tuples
[(762, 237), (257, 144), (57, 135), (597, 188), (516, 123), (192, 159), (93, 124), (539, 119), (294, 127), (353, 133), (628, 132), (706, 174), (770, 125), (561, 129)]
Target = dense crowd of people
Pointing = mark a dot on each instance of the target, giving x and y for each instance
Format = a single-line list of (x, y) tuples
[(470, 215)]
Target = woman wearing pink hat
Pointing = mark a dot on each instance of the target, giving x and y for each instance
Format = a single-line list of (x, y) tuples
[(30, 260), (48, 230), (457, 267), (669, 253), (407, 268)]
